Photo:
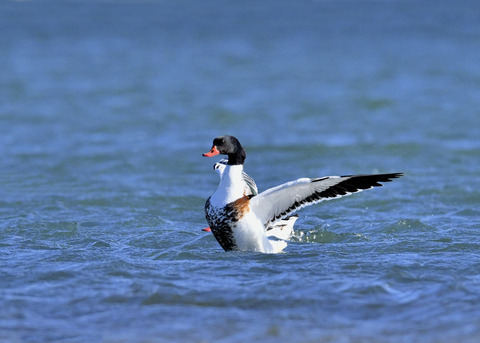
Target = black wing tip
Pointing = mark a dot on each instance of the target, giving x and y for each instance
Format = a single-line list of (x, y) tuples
[(372, 177), (387, 177), (380, 176), (354, 183), (391, 176)]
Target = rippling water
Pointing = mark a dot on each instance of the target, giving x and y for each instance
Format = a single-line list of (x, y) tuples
[(106, 107)]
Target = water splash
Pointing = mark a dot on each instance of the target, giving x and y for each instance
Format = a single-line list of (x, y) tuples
[(320, 235)]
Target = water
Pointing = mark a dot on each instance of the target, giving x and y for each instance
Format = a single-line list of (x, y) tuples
[(106, 107)]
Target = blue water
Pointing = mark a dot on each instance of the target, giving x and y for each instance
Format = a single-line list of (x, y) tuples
[(106, 108)]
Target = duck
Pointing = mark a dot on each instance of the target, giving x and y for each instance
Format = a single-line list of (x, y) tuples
[(283, 229), (239, 220)]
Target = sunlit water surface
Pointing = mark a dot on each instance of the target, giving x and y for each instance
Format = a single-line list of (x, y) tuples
[(106, 107)]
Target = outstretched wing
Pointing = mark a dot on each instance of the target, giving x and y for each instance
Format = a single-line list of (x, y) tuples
[(281, 201)]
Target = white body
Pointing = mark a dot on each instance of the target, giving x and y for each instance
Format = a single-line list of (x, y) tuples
[(282, 230), (230, 188), (249, 231)]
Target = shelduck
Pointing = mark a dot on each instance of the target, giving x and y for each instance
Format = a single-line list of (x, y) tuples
[(239, 220)]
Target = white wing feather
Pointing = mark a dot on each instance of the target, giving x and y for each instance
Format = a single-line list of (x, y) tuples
[(273, 204), (281, 201)]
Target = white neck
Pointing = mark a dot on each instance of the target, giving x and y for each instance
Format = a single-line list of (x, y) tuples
[(230, 187)]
